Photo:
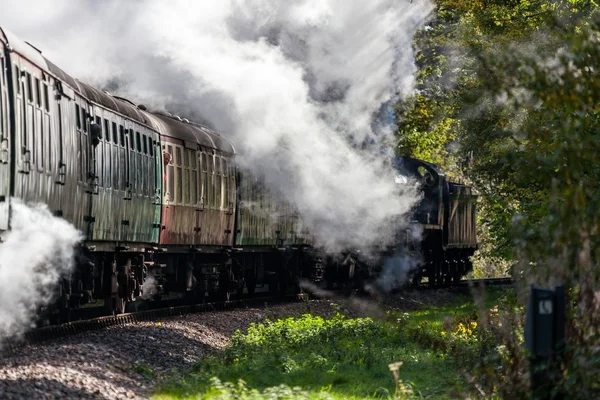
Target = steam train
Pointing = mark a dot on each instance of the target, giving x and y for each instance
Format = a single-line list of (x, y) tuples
[(164, 209)]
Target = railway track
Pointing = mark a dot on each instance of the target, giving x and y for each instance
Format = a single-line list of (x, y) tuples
[(482, 282), (103, 322), (86, 325), (505, 281)]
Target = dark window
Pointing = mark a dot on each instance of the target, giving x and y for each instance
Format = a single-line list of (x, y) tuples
[(151, 145), (29, 88), (204, 162), (38, 98), (145, 140), (114, 133), (99, 123), (106, 130), (138, 142), (131, 139), (18, 79), (121, 135), (84, 119), (78, 116), (46, 97)]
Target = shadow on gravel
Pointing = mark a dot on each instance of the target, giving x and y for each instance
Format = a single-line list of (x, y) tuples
[(42, 389)]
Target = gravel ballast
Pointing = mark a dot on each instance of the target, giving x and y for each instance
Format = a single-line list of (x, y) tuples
[(127, 361)]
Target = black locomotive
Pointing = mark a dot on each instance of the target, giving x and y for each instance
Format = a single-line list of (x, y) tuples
[(164, 208)]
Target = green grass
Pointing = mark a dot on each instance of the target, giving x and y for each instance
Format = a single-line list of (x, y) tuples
[(336, 359)]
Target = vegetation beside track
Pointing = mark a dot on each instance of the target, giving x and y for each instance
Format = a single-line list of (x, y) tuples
[(343, 358)]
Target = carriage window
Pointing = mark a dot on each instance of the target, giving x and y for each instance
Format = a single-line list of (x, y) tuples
[(48, 130), (145, 140), (138, 141), (224, 165), (151, 145), (39, 136), (114, 132), (99, 123), (186, 179), (186, 157), (178, 156), (29, 89), (115, 167), (84, 119), (171, 182), (38, 98), (106, 130), (211, 163), (179, 187), (131, 136), (18, 79), (193, 178), (78, 116), (1, 97), (107, 158), (122, 135), (204, 162), (29, 121), (97, 151), (46, 97)]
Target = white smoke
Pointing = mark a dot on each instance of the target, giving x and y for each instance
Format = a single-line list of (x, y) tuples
[(396, 272), (296, 85), (149, 289), (37, 251)]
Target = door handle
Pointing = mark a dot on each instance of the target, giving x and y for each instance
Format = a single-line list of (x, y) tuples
[(4, 152), (62, 174), (26, 161)]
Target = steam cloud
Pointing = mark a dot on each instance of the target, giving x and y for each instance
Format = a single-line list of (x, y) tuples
[(37, 251), (298, 86)]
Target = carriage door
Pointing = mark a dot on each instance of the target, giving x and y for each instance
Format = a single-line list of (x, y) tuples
[(86, 177), (5, 175), (127, 219), (62, 121)]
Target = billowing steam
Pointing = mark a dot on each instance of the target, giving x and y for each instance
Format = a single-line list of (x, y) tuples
[(298, 86), (36, 252)]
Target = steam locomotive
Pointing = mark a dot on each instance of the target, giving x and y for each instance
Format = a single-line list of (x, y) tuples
[(164, 209)]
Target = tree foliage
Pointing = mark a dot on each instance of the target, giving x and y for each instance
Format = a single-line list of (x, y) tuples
[(472, 107), (517, 82)]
